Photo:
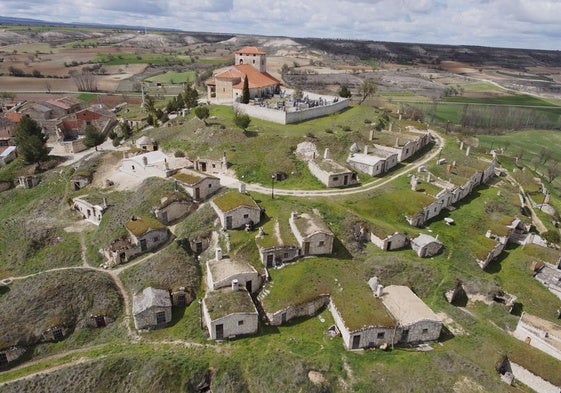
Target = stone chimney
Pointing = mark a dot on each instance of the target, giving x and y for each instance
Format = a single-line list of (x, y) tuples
[(326, 154), (145, 161), (371, 138), (468, 150), (218, 253), (241, 188), (365, 149), (414, 183), (462, 145), (235, 285), (104, 202), (379, 290), (397, 142), (390, 127)]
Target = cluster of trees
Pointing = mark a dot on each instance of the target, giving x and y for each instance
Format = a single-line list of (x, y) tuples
[(14, 71), (504, 117), (188, 99), (30, 140)]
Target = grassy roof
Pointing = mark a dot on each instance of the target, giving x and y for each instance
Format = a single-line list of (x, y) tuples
[(309, 224), (306, 279), (191, 178), (141, 225), (233, 199), (331, 166), (225, 302), (541, 253)]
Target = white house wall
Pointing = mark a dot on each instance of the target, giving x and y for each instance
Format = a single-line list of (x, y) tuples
[(231, 324), (240, 216), (315, 244)]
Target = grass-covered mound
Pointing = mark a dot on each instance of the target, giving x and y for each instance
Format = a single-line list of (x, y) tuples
[(55, 299)]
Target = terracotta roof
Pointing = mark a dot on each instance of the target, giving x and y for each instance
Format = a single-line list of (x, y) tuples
[(255, 78), (87, 115), (14, 116), (250, 50)]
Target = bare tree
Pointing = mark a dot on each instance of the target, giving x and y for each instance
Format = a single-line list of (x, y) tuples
[(366, 89), (85, 80), (553, 171)]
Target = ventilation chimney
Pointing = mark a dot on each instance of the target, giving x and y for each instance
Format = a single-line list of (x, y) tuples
[(371, 135), (145, 161), (235, 285), (391, 127), (468, 150), (218, 253), (379, 290), (365, 149), (104, 203), (462, 145), (326, 154), (241, 188)]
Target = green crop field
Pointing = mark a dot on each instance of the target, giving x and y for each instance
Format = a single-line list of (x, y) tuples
[(172, 77)]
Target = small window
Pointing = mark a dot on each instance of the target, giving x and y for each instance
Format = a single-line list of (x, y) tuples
[(155, 239), (425, 331), (253, 61), (335, 178), (246, 216), (160, 317), (381, 335), (210, 186), (240, 323), (285, 255), (321, 243)]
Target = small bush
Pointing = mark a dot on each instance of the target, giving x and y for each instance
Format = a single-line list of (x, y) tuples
[(346, 128), (328, 131), (179, 153), (367, 121)]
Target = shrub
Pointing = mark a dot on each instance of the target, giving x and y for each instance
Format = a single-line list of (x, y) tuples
[(179, 153)]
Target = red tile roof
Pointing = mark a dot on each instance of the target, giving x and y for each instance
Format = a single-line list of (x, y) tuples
[(87, 115), (13, 116), (255, 78), (250, 50)]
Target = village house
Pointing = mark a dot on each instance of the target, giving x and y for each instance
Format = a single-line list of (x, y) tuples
[(406, 143), (28, 181), (331, 173), (8, 130), (99, 320), (426, 246), (144, 234), (450, 193), (229, 313), (539, 333), (63, 106), (80, 179), (198, 185), (278, 247), (387, 239), (222, 272), (151, 308), (90, 208), (172, 207), (511, 371), (55, 333), (9, 354), (236, 210), (251, 63), (70, 129), (416, 322), (181, 297), (209, 165), (153, 163), (497, 240), (147, 233), (305, 309), (145, 143), (312, 234), (373, 162)]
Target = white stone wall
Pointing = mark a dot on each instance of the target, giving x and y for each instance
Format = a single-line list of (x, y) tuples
[(417, 334), (242, 278), (284, 253), (316, 246), (238, 219), (372, 170), (232, 326), (398, 240), (224, 89), (282, 117), (533, 381), (300, 310), (154, 238), (88, 211), (147, 318)]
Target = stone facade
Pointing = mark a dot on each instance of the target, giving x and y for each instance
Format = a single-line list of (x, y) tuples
[(276, 255), (229, 313), (222, 272), (332, 174), (307, 309), (173, 207), (394, 241), (236, 210), (426, 246), (90, 210), (199, 186), (312, 234), (151, 308), (10, 355)]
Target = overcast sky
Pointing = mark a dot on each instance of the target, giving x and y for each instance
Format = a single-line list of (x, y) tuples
[(532, 24)]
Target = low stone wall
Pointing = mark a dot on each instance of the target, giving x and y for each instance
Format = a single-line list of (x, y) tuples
[(533, 381), (282, 117), (299, 310)]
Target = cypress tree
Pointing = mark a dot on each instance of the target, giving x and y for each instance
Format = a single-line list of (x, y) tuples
[(245, 91)]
